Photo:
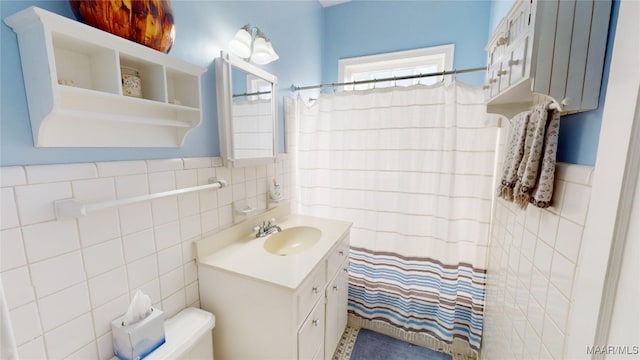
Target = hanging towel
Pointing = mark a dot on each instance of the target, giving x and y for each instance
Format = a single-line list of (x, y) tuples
[(514, 154), (530, 160), (541, 195), (536, 170)]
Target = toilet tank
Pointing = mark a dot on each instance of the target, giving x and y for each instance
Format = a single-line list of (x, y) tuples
[(188, 336)]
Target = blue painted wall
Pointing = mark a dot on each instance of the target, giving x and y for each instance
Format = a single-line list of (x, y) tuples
[(203, 28), (361, 28), (309, 40), (579, 133)]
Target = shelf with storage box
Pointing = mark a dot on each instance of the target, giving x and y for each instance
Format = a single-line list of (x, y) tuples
[(73, 77), (547, 48)]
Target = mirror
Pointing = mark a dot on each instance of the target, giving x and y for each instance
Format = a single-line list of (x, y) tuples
[(247, 115)]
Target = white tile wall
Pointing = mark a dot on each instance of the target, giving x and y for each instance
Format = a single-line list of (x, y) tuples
[(531, 266), (66, 280)]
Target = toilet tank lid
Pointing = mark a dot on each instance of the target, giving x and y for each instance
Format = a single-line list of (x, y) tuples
[(182, 331)]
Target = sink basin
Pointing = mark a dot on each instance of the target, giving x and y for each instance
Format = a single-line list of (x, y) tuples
[(293, 240)]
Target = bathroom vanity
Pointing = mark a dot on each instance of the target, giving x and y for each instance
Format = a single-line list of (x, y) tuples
[(282, 296)]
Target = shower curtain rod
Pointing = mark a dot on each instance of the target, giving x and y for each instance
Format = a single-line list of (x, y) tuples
[(395, 78), (251, 94)]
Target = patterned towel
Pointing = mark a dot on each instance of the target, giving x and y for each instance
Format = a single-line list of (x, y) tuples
[(532, 152), (513, 157)]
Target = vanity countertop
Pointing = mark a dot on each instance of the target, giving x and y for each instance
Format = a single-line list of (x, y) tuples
[(246, 255)]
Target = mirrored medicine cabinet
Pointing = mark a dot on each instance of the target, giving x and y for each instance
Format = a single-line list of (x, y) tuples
[(247, 112)]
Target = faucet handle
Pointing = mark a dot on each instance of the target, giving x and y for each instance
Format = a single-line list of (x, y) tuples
[(257, 228), (272, 221)]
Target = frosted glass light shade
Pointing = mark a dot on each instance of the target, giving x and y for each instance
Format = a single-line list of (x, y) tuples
[(263, 52), (240, 45)]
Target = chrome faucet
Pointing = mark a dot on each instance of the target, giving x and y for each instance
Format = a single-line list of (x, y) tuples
[(266, 228)]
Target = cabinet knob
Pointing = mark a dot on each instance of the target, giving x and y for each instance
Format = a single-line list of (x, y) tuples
[(315, 322), (502, 41), (502, 72), (493, 80), (485, 87), (314, 289), (514, 62), (341, 252), (335, 287), (345, 269)]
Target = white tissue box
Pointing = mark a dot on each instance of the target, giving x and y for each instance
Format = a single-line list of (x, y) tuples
[(135, 341)]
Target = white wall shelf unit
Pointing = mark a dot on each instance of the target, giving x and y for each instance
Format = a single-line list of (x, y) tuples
[(547, 48), (72, 75)]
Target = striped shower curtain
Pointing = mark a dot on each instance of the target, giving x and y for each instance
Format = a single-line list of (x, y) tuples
[(412, 168)]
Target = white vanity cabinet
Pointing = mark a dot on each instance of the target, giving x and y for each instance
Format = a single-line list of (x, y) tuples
[(259, 313), (553, 48), (73, 81), (336, 294)]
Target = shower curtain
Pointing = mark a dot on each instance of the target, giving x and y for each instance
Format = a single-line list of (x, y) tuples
[(412, 168)]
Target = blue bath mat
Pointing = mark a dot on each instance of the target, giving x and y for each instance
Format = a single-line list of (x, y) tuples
[(371, 345)]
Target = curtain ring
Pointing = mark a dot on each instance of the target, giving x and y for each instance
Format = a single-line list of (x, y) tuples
[(443, 75)]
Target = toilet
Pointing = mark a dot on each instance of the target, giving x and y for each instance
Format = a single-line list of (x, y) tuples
[(188, 336)]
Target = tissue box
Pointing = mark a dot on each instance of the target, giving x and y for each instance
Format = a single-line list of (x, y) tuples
[(135, 341)]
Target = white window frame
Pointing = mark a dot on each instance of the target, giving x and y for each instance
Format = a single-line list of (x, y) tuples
[(441, 56)]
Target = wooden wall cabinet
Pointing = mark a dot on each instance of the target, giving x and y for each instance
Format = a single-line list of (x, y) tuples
[(73, 81), (552, 48)]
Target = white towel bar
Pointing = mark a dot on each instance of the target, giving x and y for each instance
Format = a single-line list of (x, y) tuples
[(70, 208)]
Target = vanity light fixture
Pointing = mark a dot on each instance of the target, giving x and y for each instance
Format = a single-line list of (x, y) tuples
[(252, 44)]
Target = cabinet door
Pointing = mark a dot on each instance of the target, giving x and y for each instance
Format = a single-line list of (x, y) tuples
[(336, 309), (343, 297), (494, 85), (502, 75), (311, 334), (518, 62)]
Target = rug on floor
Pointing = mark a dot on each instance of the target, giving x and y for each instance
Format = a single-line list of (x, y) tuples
[(345, 345), (370, 345)]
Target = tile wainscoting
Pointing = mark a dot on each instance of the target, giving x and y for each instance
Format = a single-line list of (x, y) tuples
[(65, 281), (533, 256)]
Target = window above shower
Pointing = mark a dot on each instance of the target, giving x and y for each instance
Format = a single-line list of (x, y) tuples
[(397, 64)]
